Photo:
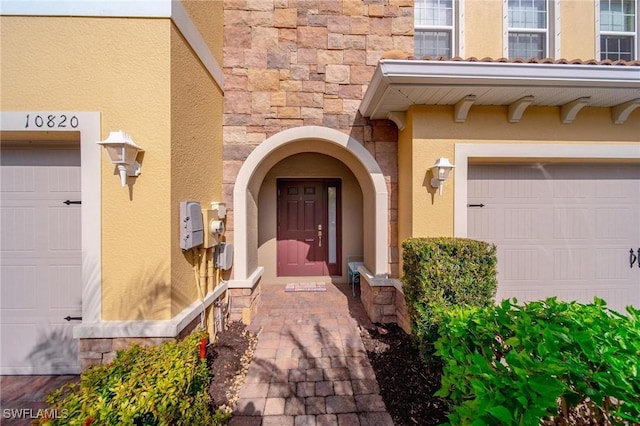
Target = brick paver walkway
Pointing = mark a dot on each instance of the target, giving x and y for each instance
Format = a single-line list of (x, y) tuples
[(310, 366)]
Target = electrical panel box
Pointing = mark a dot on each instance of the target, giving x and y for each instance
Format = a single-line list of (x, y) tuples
[(224, 256), (191, 226)]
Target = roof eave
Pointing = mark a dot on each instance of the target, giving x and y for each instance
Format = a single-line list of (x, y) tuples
[(498, 74)]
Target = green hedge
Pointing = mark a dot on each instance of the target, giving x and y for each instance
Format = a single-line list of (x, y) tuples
[(157, 385), (546, 362), (439, 273)]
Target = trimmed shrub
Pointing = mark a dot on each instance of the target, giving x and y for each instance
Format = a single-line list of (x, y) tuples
[(547, 362), (158, 385), (439, 273)]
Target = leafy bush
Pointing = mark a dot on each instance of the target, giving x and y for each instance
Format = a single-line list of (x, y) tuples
[(158, 385), (549, 361), (442, 272)]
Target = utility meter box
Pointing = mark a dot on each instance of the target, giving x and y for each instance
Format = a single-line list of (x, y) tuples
[(224, 256), (191, 226), (213, 228)]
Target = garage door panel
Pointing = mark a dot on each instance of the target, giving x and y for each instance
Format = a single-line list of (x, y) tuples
[(484, 221), (62, 225), (561, 229), (572, 264), (613, 224), (41, 260), (63, 179), (66, 280), (521, 223), (613, 264), (16, 179), (18, 288), (18, 232), (520, 265), (573, 223)]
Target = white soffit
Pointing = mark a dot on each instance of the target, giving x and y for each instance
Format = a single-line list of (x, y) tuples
[(398, 84)]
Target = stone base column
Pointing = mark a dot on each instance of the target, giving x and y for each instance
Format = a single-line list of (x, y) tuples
[(244, 303), (378, 301)]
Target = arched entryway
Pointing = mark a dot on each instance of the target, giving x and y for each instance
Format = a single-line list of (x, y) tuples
[(338, 151)]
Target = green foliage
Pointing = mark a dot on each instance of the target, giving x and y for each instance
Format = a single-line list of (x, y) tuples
[(439, 273), (518, 365), (158, 385)]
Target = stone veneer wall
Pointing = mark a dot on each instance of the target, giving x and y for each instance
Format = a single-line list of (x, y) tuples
[(103, 350), (290, 63), (244, 303), (385, 304)]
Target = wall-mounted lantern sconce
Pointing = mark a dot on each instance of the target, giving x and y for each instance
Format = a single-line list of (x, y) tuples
[(122, 152), (441, 170)]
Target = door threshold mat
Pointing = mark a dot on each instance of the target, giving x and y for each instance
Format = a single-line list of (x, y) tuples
[(312, 287)]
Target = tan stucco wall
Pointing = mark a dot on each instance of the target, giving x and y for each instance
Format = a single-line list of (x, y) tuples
[(578, 30), (90, 64), (153, 89), (483, 39), (483, 27), (405, 172), (435, 135), (207, 16), (196, 154), (309, 165)]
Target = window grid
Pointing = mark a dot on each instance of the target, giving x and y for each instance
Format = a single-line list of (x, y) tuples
[(528, 28), (618, 36), (434, 28)]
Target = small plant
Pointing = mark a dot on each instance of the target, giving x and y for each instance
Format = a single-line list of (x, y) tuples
[(158, 385), (546, 362), (439, 273)]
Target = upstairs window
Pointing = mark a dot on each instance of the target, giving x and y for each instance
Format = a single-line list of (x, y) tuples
[(434, 28), (528, 28), (618, 32)]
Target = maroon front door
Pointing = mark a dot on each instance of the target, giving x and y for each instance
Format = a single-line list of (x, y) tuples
[(302, 228)]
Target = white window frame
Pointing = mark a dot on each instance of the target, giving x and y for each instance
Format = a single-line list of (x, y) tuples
[(635, 50), (552, 30), (456, 29)]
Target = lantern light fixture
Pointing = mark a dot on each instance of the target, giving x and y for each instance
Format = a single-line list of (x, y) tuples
[(122, 152), (441, 170)]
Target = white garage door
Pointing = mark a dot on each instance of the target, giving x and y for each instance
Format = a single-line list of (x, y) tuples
[(571, 231), (40, 260)]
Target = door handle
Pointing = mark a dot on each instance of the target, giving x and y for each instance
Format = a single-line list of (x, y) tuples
[(70, 318), (633, 258), (319, 235)]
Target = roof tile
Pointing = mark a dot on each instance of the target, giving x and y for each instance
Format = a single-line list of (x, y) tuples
[(397, 54)]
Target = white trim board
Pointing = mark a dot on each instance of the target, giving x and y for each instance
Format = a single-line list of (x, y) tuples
[(172, 9), (90, 152), (463, 152), (149, 328)]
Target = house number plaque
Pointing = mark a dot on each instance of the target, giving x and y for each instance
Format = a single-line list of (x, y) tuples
[(51, 121)]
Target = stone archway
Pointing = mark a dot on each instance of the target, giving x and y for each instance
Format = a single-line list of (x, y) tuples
[(305, 139)]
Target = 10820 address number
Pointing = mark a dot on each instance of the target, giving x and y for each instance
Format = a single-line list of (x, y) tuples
[(51, 121)]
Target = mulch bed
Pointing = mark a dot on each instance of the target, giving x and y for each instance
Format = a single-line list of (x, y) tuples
[(228, 360), (407, 384)]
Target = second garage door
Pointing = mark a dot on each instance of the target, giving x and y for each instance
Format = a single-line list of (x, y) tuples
[(566, 230)]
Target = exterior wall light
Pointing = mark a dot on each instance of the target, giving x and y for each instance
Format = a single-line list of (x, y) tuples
[(122, 152), (441, 170)]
